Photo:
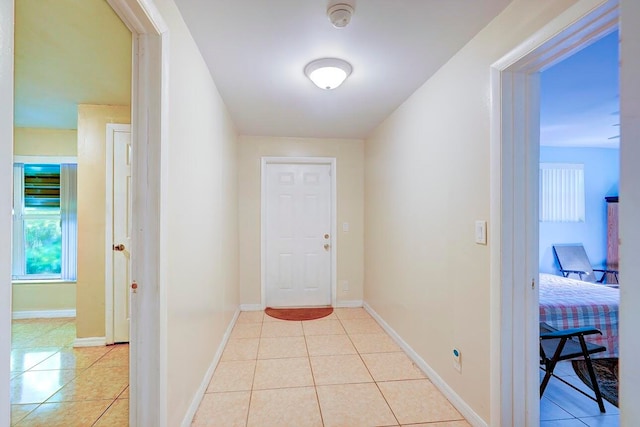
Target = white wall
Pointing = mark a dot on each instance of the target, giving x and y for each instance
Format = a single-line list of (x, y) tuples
[(629, 212), (6, 162), (349, 154), (426, 182), (199, 251)]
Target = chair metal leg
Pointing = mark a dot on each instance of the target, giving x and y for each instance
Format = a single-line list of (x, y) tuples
[(592, 374), (551, 366)]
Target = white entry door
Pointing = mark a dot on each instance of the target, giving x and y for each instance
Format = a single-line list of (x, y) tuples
[(120, 143), (297, 235)]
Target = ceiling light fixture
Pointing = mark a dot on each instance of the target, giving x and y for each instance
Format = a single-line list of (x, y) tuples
[(328, 73)]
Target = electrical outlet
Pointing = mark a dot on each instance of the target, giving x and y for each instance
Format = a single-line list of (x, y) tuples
[(457, 360), (344, 284)]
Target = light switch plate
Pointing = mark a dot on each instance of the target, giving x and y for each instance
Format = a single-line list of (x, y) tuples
[(345, 227), (481, 232)]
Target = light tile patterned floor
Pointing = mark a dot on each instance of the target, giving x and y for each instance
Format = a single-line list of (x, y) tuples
[(561, 406), (54, 384), (342, 370)]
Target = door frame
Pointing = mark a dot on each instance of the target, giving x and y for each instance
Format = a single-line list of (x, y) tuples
[(514, 165), (109, 303), (149, 135), (331, 162)]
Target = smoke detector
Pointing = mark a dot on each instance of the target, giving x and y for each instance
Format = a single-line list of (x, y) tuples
[(340, 14)]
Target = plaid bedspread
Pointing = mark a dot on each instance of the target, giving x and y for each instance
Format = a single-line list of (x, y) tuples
[(568, 303)]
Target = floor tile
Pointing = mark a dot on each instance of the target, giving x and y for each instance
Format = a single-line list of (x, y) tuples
[(72, 358), (38, 386), (65, 414), (116, 416), (418, 401), (241, 349), (351, 313), (281, 329), (250, 317), (246, 330), (282, 373), (95, 383), (340, 369), (23, 359), (374, 343), (551, 411), (563, 423), (233, 376), (361, 326), (573, 402), (325, 345), (354, 405), (124, 394), (323, 327), (602, 421), (118, 355), (460, 423), (391, 366), (62, 336), (223, 410), (18, 412), (284, 407), (282, 347)]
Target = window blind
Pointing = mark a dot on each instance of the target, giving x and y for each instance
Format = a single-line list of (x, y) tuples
[(562, 192)]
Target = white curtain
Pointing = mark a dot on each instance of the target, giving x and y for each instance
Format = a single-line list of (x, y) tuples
[(69, 220)]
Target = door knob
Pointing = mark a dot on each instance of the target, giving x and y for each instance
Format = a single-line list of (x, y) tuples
[(326, 246), (326, 236), (119, 247)]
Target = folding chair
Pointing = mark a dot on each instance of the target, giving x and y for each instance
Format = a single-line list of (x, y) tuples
[(557, 345), (573, 259)]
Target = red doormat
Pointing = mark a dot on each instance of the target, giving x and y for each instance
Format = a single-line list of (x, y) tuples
[(309, 313)]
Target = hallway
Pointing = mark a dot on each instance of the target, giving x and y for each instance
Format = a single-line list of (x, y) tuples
[(341, 370)]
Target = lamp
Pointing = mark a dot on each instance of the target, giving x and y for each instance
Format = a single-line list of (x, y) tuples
[(328, 73)]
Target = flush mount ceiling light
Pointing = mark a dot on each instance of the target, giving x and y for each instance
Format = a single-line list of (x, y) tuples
[(328, 73)]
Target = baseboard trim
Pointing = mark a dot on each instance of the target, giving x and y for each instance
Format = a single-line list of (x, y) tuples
[(449, 393), (90, 342), (43, 314), (250, 307), (197, 398), (349, 304)]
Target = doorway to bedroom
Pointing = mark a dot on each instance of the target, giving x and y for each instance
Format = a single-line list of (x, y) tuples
[(579, 173)]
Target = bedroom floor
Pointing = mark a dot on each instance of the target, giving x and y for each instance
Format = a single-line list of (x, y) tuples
[(54, 384), (561, 406)]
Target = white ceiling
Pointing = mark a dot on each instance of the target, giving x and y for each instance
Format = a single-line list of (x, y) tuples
[(256, 51)]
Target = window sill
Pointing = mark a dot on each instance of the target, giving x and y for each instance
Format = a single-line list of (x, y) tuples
[(40, 281)]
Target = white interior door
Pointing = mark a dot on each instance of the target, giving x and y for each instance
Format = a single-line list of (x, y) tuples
[(297, 235), (121, 226)]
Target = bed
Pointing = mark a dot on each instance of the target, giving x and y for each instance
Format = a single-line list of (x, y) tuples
[(569, 303)]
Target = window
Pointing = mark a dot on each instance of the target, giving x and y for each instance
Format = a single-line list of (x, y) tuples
[(44, 221), (562, 192)]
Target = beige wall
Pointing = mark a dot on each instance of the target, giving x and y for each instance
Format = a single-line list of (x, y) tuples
[(426, 181), (350, 185), (45, 142), (34, 296), (199, 209), (92, 131)]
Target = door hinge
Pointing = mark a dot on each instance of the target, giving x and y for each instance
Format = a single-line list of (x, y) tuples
[(533, 283)]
